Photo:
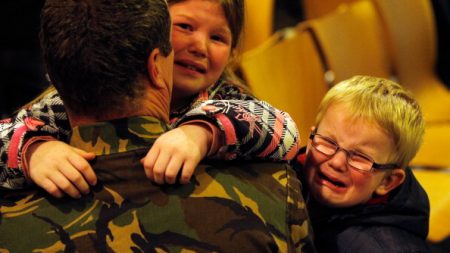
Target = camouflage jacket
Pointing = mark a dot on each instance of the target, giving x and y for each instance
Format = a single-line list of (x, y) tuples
[(250, 128), (227, 206)]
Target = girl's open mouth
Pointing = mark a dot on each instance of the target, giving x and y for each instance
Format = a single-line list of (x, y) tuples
[(191, 66)]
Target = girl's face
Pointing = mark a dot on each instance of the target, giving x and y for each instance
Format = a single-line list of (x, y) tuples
[(331, 180), (201, 40)]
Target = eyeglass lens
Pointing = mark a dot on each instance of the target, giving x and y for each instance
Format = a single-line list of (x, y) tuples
[(329, 148)]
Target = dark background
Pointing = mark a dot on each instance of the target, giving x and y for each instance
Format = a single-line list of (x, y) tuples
[(21, 68)]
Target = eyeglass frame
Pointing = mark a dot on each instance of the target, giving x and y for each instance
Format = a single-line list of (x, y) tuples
[(350, 153)]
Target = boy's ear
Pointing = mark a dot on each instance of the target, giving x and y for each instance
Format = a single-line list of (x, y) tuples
[(154, 68), (390, 181)]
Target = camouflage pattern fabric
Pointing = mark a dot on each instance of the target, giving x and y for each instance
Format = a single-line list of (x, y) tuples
[(227, 206)]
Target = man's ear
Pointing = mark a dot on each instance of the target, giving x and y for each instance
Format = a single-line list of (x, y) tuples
[(390, 181), (154, 68)]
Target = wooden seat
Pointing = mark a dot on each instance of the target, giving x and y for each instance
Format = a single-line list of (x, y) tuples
[(352, 42), (434, 155), (287, 72), (435, 150), (436, 183)]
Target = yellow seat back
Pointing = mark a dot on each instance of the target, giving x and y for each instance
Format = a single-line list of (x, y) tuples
[(352, 42), (287, 72), (436, 184)]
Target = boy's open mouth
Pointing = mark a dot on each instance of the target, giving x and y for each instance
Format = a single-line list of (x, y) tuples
[(335, 182)]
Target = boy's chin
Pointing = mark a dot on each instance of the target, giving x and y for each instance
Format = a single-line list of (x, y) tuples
[(332, 202)]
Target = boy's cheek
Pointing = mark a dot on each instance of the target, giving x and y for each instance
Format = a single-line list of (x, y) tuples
[(311, 167)]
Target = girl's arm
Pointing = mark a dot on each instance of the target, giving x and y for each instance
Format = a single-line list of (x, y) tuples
[(249, 129), (47, 117)]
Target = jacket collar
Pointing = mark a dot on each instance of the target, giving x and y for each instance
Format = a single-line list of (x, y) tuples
[(119, 135)]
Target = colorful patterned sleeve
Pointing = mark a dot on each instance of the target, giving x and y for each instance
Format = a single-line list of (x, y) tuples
[(47, 117), (250, 128)]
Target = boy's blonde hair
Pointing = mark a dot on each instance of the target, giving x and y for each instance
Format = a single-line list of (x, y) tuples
[(385, 103)]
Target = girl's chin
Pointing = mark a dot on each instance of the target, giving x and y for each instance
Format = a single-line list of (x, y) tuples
[(188, 86), (184, 90)]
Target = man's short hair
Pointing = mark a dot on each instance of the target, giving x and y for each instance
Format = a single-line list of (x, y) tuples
[(95, 50)]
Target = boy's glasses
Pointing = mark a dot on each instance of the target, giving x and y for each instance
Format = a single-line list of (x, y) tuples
[(355, 159)]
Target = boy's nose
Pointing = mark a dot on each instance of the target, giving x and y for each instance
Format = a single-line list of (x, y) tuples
[(339, 160)]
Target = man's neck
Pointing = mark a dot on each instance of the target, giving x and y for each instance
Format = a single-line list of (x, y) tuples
[(154, 104)]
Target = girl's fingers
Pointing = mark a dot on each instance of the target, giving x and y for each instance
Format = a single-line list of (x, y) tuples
[(65, 185), (83, 167), (149, 162), (159, 169), (75, 178), (172, 170), (51, 188), (86, 155), (188, 170)]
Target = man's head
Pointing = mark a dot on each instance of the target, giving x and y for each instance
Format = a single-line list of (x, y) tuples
[(102, 55), (367, 131)]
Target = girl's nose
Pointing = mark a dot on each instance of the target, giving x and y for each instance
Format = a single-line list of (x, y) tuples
[(198, 45)]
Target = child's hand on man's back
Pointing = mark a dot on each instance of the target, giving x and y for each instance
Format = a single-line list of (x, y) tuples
[(182, 149), (60, 169)]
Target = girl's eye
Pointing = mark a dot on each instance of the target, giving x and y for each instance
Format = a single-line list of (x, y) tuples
[(220, 38), (184, 26), (217, 37)]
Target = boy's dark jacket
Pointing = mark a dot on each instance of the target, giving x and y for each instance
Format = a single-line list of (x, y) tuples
[(397, 223)]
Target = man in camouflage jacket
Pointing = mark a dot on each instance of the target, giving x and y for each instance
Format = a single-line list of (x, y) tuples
[(226, 207)]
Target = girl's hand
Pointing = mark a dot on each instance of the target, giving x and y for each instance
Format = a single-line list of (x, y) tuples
[(182, 149), (59, 168)]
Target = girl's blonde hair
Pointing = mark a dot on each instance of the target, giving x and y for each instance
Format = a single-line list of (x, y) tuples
[(385, 103)]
